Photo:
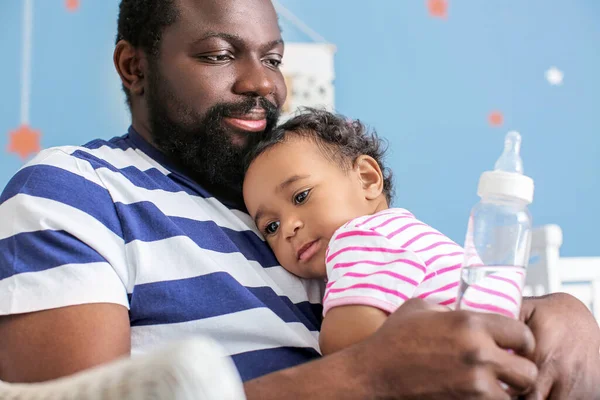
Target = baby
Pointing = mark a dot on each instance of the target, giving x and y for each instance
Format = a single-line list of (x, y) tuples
[(320, 194)]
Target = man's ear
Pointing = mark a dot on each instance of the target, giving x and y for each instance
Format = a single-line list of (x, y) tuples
[(131, 65), (370, 176)]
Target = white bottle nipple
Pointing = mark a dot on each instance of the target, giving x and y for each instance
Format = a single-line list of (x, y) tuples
[(510, 160)]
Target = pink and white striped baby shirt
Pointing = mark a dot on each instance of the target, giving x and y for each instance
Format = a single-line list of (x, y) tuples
[(384, 259)]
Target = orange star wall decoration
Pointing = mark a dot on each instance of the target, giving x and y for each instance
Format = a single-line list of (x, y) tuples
[(24, 141), (438, 8), (72, 5), (495, 118)]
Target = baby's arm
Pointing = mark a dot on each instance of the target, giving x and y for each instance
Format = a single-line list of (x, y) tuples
[(346, 325), (369, 277)]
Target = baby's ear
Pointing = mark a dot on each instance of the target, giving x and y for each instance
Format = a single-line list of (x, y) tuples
[(370, 176)]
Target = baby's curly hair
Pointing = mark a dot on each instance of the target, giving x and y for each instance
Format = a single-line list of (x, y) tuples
[(340, 139)]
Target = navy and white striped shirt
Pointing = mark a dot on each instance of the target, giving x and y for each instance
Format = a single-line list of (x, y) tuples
[(113, 222)]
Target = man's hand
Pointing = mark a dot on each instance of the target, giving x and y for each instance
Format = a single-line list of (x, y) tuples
[(448, 355), (568, 348)]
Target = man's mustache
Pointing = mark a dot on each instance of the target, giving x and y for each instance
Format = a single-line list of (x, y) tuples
[(245, 107)]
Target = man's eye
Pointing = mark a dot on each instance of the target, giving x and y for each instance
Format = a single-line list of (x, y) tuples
[(271, 228), (301, 197), (217, 58), (273, 62)]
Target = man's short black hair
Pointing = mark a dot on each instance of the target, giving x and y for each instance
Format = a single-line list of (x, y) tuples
[(342, 140), (141, 23)]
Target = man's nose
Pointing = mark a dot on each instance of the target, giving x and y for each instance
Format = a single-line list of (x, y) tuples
[(255, 79)]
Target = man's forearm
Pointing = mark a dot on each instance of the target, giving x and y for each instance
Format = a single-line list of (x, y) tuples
[(338, 376)]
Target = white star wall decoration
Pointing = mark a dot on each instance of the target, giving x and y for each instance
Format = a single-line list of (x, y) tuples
[(554, 76)]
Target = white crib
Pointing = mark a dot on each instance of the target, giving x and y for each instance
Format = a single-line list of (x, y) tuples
[(549, 273)]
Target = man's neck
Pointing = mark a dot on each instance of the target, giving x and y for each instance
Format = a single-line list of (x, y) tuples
[(142, 127)]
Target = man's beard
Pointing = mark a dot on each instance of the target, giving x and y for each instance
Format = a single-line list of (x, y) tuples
[(203, 144)]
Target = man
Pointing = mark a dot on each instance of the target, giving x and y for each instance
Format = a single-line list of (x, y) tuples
[(119, 246)]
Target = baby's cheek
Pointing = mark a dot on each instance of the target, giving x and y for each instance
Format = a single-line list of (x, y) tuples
[(284, 258), (328, 227)]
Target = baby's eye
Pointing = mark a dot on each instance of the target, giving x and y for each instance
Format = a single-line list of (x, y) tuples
[(301, 197), (271, 228)]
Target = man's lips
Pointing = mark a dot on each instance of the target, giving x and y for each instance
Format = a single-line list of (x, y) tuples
[(307, 251), (254, 121)]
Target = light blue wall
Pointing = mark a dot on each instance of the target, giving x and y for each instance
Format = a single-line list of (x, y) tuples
[(426, 84)]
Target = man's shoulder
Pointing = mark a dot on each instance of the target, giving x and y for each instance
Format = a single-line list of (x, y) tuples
[(71, 168), (118, 155), (117, 142), (95, 152)]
